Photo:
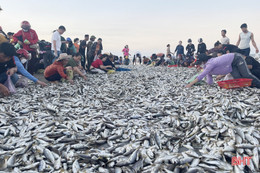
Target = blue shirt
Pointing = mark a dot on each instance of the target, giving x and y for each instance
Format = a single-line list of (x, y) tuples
[(23, 71), (180, 50)]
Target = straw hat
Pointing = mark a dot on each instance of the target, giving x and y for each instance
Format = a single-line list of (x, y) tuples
[(64, 56)]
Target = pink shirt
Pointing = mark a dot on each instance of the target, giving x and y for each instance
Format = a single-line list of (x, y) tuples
[(126, 51)]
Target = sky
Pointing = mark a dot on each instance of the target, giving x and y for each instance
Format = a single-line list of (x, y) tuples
[(145, 25)]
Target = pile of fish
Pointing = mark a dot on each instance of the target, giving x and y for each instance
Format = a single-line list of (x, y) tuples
[(139, 121)]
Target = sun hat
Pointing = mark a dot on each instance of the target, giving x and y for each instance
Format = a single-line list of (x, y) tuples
[(64, 56)]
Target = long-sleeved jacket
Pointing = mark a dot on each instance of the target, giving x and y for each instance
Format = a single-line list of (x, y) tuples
[(56, 67), (31, 36)]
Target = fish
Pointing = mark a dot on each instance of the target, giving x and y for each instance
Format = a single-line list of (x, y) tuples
[(144, 120)]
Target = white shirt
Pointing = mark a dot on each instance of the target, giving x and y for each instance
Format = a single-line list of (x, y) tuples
[(225, 40), (245, 40), (57, 38)]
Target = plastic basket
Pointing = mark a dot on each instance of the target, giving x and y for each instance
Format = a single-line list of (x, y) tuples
[(235, 83)]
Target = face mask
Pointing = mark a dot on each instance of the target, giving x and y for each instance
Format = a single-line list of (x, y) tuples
[(25, 30), (23, 61)]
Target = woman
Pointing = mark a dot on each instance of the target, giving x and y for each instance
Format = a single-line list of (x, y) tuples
[(28, 39), (98, 66), (56, 71), (232, 63), (126, 52), (22, 56)]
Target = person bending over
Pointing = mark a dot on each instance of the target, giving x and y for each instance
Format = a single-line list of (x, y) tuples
[(22, 56), (7, 66), (56, 71), (98, 66), (75, 63), (232, 63)]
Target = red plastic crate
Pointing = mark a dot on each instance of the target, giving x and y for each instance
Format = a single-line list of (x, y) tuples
[(235, 83)]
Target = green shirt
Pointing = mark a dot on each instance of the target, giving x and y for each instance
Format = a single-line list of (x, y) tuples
[(72, 63)]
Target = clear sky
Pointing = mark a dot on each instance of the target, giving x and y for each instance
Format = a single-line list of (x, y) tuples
[(145, 25)]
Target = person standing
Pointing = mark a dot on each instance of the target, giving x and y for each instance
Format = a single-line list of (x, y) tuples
[(202, 48), (190, 48), (180, 53), (95, 51), (168, 51), (244, 40), (224, 39), (126, 51), (89, 45), (28, 39), (126, 55), (134, 60), (76, 44), (56, 42), (82, 50)]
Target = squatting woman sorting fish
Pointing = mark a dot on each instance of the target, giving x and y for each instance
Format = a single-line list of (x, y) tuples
[(232, 63)]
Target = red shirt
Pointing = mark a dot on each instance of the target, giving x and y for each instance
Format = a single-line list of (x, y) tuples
[(31, 36), (97, 63), (56, 67)]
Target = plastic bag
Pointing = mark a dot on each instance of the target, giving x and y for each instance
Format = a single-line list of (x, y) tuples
[(9, 84)]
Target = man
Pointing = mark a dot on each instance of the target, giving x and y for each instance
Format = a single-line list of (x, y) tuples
[(56, 42), (74, 62), (190, 48), (28, 39), (244, 40), (180, 53), (89, 45), (202, 48), (82, 50), (95, 50), (224, 39), (7, 66)]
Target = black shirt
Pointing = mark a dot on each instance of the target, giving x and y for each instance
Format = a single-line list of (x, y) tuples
[(230, 47), (202, 48), (7, 65), (251, 61), (82, 47), (190, 49), (108, 62)]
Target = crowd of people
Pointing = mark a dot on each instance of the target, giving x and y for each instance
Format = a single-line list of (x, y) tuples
[(22, 53)]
